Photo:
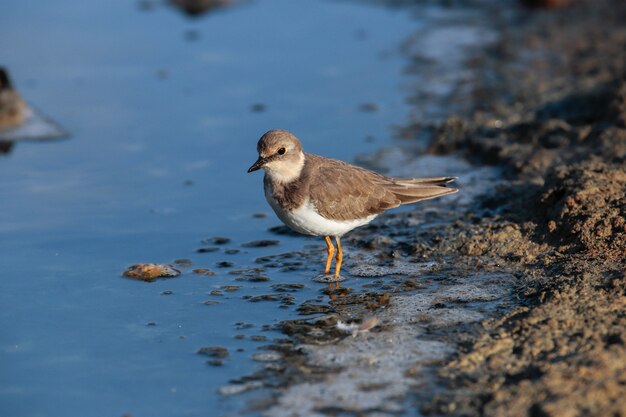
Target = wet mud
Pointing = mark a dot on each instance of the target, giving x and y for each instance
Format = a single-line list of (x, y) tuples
[(549, 108), (508, 299)]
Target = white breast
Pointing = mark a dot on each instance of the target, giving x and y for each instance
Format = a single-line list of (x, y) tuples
[(308, 221)]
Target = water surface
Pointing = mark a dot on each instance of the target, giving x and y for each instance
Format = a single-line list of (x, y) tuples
[(159, 108)]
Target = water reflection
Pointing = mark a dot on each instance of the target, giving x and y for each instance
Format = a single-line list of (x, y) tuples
[(18, 121)]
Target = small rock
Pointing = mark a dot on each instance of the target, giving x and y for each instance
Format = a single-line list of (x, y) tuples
[(225, 264), (287, 287), (149, 272), (207, 249), (283, 230), (217, 240), (183, 263), (256, 278), (260, 243), (203, 271), (214, 351), (309, 308)]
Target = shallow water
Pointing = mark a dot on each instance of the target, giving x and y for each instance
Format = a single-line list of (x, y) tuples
[(162, 134)]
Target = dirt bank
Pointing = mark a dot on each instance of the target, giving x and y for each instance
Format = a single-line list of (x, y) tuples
[(549, 105)]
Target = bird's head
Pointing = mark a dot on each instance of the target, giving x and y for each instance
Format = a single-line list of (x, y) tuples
[(280, 155)]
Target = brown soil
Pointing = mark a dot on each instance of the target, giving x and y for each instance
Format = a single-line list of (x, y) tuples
[(548, 104)]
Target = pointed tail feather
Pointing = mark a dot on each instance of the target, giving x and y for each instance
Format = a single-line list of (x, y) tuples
[(434, 180), (412, 190)]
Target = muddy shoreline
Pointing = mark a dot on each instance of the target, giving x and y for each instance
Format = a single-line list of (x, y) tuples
[(559, 219), (542, 123)]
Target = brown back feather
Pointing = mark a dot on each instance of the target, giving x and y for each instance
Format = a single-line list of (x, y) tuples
[(341, 191)]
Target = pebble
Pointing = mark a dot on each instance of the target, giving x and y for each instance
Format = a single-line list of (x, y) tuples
[(203, 271), (184, 262), (149, 272), (213, 351), (217, 240), (207, 250), (260, 243)]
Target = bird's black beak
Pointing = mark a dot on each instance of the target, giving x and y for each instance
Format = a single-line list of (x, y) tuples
[(258, 164)]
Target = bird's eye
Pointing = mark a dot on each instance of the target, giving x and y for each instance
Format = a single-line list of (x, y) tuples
[(281, 151)]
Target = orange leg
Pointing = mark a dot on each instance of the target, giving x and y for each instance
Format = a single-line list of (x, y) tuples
[(339, 257), (331, 251)]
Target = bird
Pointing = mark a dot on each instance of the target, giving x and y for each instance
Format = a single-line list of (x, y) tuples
[(12, 107), (319, 196)]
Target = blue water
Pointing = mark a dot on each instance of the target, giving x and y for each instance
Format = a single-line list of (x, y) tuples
[(162, 135)]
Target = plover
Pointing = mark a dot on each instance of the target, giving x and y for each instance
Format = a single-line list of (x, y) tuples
[(319, 196)]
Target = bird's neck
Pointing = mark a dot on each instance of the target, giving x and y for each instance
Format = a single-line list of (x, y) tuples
[(286, 173)]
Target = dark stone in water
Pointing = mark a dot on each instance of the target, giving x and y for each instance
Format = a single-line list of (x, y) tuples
[(225, 264), (287, 287), (167, 292), (283, 230), (231, 251), (260, 243), (207, 250), (217, 240), (284, 299), (309, 308), (230, 288), (214, 351), (203, 271), (184, 263), (257, 278), (337, 292)]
